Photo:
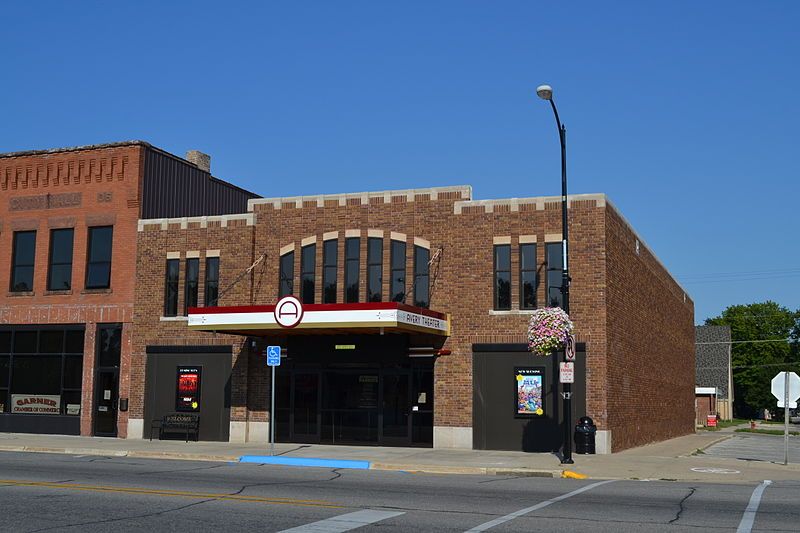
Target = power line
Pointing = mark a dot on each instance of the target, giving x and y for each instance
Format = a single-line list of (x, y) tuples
[(790, 341)]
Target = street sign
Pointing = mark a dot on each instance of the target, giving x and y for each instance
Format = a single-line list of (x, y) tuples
[(569, 352), (779, 388), (273, 355), (566, 372)]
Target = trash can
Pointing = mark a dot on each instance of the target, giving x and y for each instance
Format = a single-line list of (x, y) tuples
[(584, 435)]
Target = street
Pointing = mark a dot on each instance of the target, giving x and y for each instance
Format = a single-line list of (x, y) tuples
[(50, 492)]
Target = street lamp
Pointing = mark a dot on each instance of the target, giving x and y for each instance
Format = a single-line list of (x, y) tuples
[(545, 92)]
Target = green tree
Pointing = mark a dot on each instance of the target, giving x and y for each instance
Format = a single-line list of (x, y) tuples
[(765, 342)]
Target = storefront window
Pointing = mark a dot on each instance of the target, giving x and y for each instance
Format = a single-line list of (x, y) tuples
[(37, 374)]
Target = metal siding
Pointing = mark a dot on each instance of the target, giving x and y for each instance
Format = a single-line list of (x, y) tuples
[(174, 188)]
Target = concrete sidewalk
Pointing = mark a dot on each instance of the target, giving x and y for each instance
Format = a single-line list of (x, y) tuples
[(676, 459)]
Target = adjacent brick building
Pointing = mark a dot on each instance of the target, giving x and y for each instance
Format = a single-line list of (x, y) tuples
[(346, 378), (68, 232)]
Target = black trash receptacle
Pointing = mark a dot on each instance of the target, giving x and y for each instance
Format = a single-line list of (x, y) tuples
[(584, 435)]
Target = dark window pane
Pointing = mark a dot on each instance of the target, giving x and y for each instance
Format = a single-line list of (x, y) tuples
[(502, 277), (398, 260), (308, 257), (98, 267), (59, 278), (73, 371), (330, 254), (5, 342), (555, 263), (503, 290), (374, 280), (171, 288), (527, 276), (351, 266), (212, 281), (22, 261), (528, 290), (502, 257), (192, 284), (24, 342), (4, 362), (286, 284), (109, 345), (51, 341), (374, 269), (74, 341), (100, 240), (61, 245), (36, 374), (421, 278)]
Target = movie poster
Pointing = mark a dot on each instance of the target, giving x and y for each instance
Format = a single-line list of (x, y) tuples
[(529, 388), (188, 388)]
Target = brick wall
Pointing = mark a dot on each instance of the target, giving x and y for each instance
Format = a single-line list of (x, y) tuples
[(650, 365)]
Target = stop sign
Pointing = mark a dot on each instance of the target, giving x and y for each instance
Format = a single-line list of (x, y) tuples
[(779, 388)]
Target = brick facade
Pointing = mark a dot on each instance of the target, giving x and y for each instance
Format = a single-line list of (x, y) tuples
[(74, 189), (636, 321)]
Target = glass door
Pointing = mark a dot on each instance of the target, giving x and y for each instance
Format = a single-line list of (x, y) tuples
[(105, 413), (396, 408), (305, 409)]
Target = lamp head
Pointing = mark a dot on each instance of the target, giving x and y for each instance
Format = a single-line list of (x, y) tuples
[(545, 92)]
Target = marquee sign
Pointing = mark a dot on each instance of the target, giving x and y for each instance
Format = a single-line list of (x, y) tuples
[(290, 315)]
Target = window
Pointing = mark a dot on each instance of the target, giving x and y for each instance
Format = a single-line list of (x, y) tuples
[(212, 281), (286, 284), (22, 260), (43, 366), (527, 276), (351, 258), (374, 269), (308, 256), (330, 256), (421, 277), (398, 260), (98, 264), (191, 285), (502, 277), (171, 288), (59, 273), (555, 267)]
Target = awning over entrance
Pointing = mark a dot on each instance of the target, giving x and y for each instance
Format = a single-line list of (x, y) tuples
[(323, 319)]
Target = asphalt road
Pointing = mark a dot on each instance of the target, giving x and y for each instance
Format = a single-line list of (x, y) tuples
[(49, 492), (754, 447)]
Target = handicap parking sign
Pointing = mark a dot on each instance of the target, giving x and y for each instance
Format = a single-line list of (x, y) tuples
[(273, 356)]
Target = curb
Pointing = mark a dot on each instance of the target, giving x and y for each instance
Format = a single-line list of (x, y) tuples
[(123, 453), (305, 461), (479, 470)]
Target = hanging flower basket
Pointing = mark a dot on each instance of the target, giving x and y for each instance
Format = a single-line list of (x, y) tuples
[(548, 330)]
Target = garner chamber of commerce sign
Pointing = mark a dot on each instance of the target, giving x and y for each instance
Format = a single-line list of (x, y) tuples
[(36, 404)]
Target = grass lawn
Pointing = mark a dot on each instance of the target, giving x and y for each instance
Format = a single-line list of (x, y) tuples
[(766, 431)]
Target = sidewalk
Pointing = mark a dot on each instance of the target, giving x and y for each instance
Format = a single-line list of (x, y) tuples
[(670, 460)]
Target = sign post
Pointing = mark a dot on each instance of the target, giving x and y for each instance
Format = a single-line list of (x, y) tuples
[(786, 388), (273, 360)]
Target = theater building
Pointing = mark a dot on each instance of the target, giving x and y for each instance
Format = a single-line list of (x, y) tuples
[(413, 329), (68, 233)]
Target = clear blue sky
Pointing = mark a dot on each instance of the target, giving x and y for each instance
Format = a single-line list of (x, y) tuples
[(685, 113)]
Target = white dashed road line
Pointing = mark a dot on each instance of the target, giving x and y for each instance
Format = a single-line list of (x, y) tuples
[(345, 522), (750, 513), (517, 514)]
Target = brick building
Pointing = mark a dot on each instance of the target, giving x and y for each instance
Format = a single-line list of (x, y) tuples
[(416, 304), (68, 232)]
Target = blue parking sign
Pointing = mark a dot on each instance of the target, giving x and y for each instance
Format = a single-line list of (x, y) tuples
[(273, 356)]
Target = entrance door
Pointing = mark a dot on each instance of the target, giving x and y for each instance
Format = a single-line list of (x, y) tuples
[(305, 406), (396, 408), (105, 413)]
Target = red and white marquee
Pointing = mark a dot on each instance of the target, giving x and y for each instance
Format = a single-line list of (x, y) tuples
[(371, 317)]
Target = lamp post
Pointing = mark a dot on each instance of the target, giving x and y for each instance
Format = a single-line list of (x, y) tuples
[(545, 92)]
